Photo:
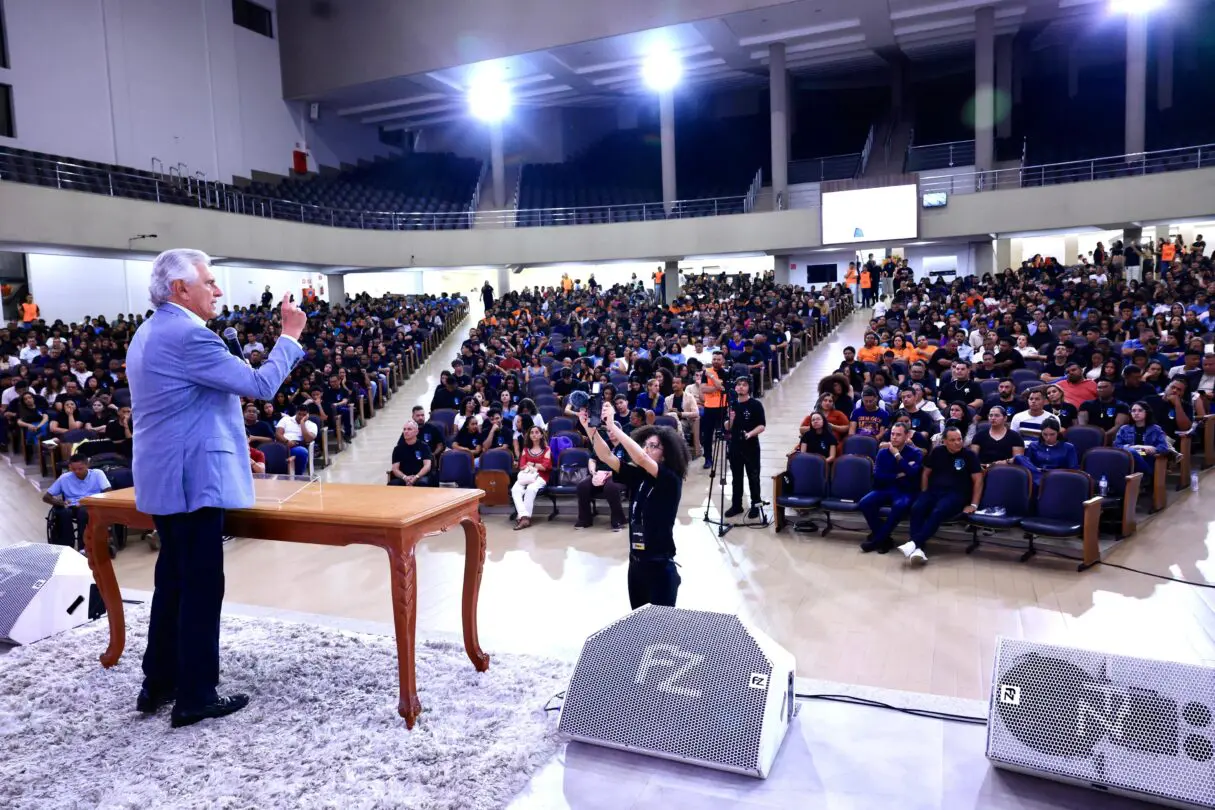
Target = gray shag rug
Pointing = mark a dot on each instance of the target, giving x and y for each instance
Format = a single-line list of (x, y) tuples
[(322, 729)]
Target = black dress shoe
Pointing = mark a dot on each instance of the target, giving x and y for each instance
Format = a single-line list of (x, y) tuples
[(150, 702), (222, 707), (734, 511), (880, 546)]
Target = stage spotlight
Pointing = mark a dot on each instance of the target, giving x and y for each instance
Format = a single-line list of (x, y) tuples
[(489, 99), (1135, 6), (661, 71)]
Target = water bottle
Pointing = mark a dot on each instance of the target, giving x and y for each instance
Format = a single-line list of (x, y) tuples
[(1193, 482), (1103, 486)]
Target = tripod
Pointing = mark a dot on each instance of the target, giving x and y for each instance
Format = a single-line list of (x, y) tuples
[(720, 455)]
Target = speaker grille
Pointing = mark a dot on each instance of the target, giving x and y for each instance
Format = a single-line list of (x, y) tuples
[(22, 568), (681, 683), (1107, 720)]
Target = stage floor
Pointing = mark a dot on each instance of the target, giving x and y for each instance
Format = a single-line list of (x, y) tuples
[(838, 756)]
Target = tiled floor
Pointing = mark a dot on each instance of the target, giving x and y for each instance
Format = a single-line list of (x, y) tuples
[(848, 617)]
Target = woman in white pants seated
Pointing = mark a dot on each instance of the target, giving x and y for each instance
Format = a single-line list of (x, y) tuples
[(535, 464)]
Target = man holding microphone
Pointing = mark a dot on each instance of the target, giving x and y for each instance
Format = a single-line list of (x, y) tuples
[(190, 464)]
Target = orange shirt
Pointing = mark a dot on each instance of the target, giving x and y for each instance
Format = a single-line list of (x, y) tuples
[(1168, 252), (870, 354), (29, 313), (866, 280), (850, 278)]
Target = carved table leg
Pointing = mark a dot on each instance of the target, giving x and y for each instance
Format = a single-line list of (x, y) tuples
[(405, 613), (96, 543), (474, 565)]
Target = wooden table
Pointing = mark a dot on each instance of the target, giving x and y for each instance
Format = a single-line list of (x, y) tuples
[(392, 518)]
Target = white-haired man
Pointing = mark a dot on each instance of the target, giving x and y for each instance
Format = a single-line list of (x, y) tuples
[(190, 464)]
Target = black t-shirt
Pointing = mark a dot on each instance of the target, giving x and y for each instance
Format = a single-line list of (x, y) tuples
[(1066, 413), (1104, 414), (653, 507), (991, 449), (468, 439), (259, 428), (819, 444), (431, 435), (444, 398), (1010, 408), (958, 391), (951, 472), (1054, 370), (411, 457), (1166, 415), (921, 422), (1012, 356), (115, 433), (505, 436), (747, 416)]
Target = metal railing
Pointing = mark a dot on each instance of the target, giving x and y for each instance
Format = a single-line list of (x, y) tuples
[(757, 182), (1075, 171), (940, 155), (860, 170), (816, 170)]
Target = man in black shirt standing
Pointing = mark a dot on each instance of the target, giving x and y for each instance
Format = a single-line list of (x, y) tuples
[(411, 460), (745, 424), (952, 483)]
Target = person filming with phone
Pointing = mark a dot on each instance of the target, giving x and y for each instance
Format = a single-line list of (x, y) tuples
[(654, 480)]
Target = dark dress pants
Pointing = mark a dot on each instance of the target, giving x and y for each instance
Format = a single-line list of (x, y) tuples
[(652, 581), (899, 503), (611, 491), (183, 635), (744, 457), (70, 523), (930, 510)]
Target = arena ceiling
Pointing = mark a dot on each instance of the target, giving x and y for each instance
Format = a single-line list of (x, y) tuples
[(822, 37)]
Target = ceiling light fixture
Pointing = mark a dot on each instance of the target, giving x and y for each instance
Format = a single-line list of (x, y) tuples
[(489, 99), (661, 71)]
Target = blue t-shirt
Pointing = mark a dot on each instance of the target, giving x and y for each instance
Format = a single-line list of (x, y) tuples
[(72, 489), (870, 423)]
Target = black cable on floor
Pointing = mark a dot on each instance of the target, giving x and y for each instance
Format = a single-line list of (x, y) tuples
[(877, 704), (1132, 570), (548, 705)]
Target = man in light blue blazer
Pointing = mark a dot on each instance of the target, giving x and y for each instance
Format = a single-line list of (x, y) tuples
[(190, 463)]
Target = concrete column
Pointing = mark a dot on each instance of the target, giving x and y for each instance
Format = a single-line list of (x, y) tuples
[(984, 258), (1071, 250), (497, 165), (1004, 84), (778, 92), (1016, 253), (781, 272), (985, 67), (1003, 255), (666, 125), (1164, 64), (336, 284), (1136, 82), (503, 285), (1073, 73), (670, 280)]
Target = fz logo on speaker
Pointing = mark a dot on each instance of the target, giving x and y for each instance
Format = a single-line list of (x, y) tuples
[(1010, 695), (668, 656)]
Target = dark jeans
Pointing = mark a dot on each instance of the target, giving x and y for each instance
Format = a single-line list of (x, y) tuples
[(611, 491), (899, 503), (343, 417), (744, 456), (710, 421), (652, 582), (427, 480), (65, 516), (183, 635), (931, 509)]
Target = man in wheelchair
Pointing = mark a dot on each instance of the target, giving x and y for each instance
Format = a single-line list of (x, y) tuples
[(67, 519)]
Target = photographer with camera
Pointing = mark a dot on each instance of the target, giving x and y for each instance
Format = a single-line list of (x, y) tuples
[(655, 484), (712, 389), (746, 423)]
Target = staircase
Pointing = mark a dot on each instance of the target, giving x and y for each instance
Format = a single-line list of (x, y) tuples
[(488, 214), (889, 148)]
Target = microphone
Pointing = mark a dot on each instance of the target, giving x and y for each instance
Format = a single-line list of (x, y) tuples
[(232, 343)]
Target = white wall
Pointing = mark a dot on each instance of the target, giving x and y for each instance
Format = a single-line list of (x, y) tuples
[(123, 81), (396, 282), (69, 287), (924, 259)]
